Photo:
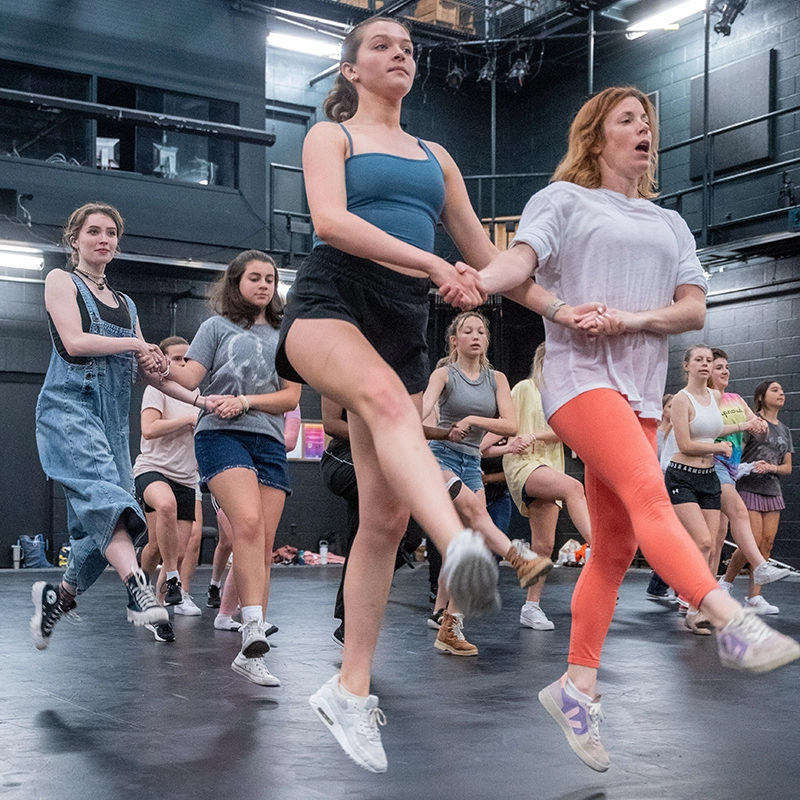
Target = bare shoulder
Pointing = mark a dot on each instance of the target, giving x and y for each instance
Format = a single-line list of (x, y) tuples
[(442, 156), (59, 282), (326, 132)]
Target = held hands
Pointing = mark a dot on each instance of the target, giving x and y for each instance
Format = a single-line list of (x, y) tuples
[(757, 425), (151, 359), (725, 449), (520, 444), (224, 406), (597, 319), (458, 430), (764, 467), (459, 285)]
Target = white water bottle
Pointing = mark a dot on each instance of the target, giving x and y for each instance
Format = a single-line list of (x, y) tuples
[(323, 551)]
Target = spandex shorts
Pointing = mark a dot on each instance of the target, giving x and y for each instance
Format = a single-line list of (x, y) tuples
[(693, 485), (184, 495), (388, 307)]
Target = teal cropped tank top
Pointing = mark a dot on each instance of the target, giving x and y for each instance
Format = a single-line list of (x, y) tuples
[(402, 196)]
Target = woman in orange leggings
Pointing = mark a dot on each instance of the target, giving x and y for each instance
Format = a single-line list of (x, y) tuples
[(615, 274)]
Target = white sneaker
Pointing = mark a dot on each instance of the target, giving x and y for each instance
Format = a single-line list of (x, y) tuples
[(470, 574), (766, 573), (224, 622), (354, 723), (188, 607), (532, 616), (255, 670), (254, 643), (760, 606), (724, 585)]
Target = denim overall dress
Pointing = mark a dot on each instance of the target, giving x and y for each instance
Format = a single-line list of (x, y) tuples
[(82, 432)]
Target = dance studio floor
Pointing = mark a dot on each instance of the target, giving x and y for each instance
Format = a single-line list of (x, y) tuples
[(108, 713)]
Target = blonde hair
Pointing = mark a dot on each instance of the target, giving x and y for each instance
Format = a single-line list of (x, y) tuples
[(580, 164), (537, 365), (77, 219), (341, 103), (453, 328)]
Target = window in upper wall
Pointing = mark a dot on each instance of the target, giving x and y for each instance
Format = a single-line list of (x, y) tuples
[(55, 136), (171, 155)]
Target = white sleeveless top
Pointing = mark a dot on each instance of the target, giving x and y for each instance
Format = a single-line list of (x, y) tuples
[(707, 424)]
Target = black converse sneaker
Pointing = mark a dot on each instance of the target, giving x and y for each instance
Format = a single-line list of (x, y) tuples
[(162, 631), (49, 603), (172, 590), (143, 608), (213, 599)]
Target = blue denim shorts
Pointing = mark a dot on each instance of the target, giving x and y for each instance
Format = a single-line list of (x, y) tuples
[(465, 466), (217, 451), (723, 474)]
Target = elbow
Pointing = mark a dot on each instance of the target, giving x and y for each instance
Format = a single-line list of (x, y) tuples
[(147, 435)]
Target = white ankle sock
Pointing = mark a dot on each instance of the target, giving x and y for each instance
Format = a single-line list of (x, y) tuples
[(350, 696), (575, 693), (252, 613), (532, 604), (173, 573)]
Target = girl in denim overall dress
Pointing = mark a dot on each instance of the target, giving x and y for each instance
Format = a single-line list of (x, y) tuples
[(82, 427)]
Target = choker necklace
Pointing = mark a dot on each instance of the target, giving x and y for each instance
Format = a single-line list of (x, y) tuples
[(99, 283)]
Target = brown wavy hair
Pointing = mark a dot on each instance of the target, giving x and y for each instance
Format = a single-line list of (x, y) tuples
[(77, 219), (226, 299), (580, 164), (342, 100), (171, 341)]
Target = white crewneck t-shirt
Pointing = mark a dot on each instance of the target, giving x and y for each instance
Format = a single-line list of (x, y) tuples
[(630, 254)]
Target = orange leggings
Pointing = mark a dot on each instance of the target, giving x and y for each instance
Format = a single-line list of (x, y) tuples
[(628, 505)]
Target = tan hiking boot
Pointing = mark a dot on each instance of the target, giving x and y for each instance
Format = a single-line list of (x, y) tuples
[(451, 636), (529, 566)]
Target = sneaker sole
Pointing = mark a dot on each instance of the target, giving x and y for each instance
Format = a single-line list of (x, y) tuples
[(530, 627), (184, 613), (781, 576), (255, 649), (272, 681), (792, 653), (153, 615), (543, 567), (445, 648), (473, 582), (39, 641), (434, 625), (338, 641), (327, 716), (555, 712)]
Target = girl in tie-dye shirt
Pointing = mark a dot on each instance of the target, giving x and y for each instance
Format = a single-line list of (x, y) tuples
[(735, 411)]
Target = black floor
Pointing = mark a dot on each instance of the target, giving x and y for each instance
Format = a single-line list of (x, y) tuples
[(108, 713)]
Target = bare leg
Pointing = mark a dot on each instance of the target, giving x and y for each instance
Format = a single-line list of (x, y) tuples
[(543, 518), (238, 494), (272, 502), (224, 548), (151, 554), (160, 496), (383, 518), (769, 529), (120, 552), (188, 562)]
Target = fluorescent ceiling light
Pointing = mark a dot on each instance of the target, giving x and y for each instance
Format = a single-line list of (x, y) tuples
[(666, 20), (21, 257), (301, 44)]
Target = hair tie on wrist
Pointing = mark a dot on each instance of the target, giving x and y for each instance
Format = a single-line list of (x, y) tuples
[(166, 371)]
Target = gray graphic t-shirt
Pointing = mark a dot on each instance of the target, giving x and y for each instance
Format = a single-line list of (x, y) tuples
[(239, 361), (771, 447)]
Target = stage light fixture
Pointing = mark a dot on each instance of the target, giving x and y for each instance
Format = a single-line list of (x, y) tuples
[(520, 70), (455, 77), (729, 11), (488, 72)]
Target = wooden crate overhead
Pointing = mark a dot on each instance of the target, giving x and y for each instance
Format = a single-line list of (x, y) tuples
[(448, 13)]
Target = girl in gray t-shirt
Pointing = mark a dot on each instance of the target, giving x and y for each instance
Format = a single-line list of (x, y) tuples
[(239, 438)]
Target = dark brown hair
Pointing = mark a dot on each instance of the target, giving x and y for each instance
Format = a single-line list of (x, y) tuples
[(580, 164), (77, 219), (342, 100), (226, 299), (760, 393)]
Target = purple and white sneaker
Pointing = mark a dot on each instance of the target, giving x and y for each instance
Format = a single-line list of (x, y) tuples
[(580, 720), (749, 644)]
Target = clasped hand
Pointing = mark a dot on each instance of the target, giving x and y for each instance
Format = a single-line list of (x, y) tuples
[(224, 406), (151, 359), (460, 286)]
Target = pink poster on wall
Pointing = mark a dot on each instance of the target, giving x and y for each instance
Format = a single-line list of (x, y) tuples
[(313, 440)]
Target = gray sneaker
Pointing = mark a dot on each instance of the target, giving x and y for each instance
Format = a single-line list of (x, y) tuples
[(580, 722), (255, 670), (470, 573), (354, 724), (766, 573), (749, 644)]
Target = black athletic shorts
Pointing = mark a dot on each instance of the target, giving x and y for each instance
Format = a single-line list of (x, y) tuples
[(185, 496), (693, 485), (388, 307)]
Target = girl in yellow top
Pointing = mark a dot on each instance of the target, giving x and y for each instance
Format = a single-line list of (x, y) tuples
[(534, 469)]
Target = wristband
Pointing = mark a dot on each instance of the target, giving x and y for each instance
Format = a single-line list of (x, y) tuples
[(551, 310), (166, 371), (245, 403), (194, 400)]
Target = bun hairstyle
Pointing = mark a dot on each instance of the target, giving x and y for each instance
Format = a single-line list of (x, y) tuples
[(342, 100), (580, 164), (77, 219), (227, 301)]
